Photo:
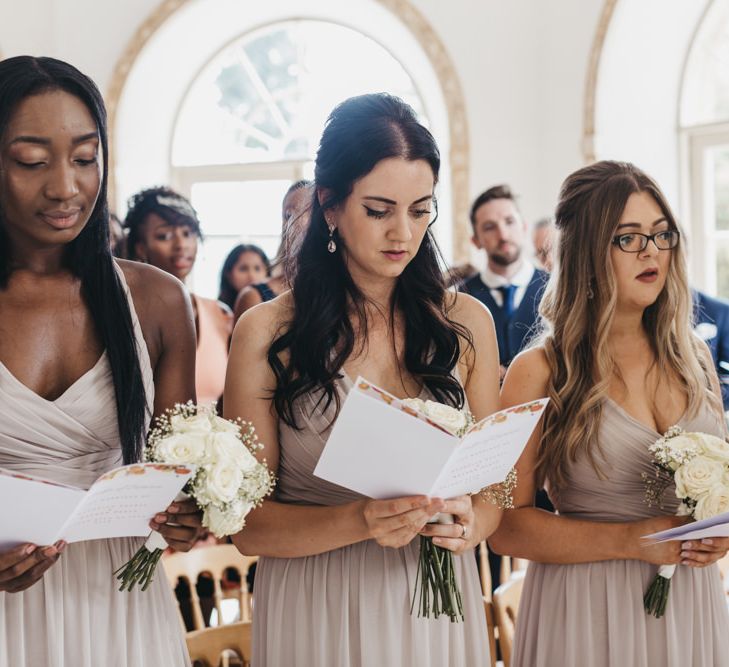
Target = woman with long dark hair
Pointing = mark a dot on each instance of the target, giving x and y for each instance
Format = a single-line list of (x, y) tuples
[(336, 578), (164, 231), (90, 349), (621, 364), (295, 214), (246, 264)]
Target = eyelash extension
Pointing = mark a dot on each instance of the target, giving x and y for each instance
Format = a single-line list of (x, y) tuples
[(86, 163), (375, 214)]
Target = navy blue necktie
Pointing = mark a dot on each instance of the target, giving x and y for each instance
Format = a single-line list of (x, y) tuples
[(507, 298)]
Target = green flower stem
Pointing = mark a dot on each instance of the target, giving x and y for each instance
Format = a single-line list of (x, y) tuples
[(139, 569), (656, 597), (436, 583)]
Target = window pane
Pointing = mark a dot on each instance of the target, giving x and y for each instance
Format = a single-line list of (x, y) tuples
[(267, 96), (705, 96), (722, 269), (720, 170)]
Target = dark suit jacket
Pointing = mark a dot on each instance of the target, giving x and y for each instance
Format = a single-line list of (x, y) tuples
[(711, 317), (512, 333)]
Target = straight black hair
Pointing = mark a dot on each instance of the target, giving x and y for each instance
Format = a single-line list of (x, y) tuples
[(88, 256), (359, 133)]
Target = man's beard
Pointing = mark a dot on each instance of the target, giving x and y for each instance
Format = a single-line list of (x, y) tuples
[(505, 259)]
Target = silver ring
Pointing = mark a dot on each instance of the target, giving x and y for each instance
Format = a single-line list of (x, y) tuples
[(465, 530)]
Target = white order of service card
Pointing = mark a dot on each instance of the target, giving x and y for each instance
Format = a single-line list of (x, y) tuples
[(715, 526), (119, 504), (383, 449)]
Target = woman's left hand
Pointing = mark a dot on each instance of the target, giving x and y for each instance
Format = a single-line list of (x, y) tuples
[(459, 536), (700, 553), (180, 525)]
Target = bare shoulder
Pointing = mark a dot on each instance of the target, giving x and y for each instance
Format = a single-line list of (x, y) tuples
[(150, 285), (467, 310), (528, 375), (265, 320)]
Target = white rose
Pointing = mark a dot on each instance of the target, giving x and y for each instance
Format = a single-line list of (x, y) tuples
[(224, 425), (451, 419), (180, 448), (199, 423), (697, 476), (222, 481), (222, 522), (716, 501), (714, 447), (414, 403), (227, 446)]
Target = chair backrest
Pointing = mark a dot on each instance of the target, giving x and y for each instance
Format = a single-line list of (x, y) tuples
[(506, 606), (215, 560), (488, 607), (484, 570), (208, 645)]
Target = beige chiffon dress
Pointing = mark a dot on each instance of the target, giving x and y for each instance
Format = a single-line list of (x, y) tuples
[(350, 607), (592, 613), (75, 616)]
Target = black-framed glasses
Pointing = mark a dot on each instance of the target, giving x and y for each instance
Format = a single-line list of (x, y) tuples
[(636, 242)]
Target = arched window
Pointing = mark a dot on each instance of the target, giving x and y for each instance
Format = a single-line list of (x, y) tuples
[(225, 100), (704, 118), (251, 121)]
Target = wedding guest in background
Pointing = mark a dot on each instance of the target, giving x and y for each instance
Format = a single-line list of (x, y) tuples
[(245, 265), (295, 211), (509, 286), (621, 365), (91, 347), (543, 233), (336, 576), (164, 231), (711, 324)]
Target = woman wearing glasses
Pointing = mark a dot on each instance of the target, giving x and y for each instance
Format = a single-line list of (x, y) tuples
[(620, 362)]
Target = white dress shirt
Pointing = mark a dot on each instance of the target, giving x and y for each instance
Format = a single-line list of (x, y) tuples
[(521, 279)]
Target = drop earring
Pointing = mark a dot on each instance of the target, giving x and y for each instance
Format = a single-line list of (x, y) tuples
[(332, 245)]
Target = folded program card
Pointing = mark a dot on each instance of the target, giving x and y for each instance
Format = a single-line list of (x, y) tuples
[(384, 449), (715, 526), (119, 504)]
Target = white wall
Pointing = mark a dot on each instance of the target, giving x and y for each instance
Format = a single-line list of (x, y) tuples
[(522, 66)]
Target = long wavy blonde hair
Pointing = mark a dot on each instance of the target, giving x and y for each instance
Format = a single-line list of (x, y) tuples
[(578, 308)]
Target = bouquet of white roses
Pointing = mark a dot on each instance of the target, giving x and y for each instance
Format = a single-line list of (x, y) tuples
[(229, 481), (698, 464), (436, 578)]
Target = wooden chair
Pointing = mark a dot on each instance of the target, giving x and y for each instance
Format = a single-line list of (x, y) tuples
[(214, 560), (506, 605), (490, 628), (210, 646)]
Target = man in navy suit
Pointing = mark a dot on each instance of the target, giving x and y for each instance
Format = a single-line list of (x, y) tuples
[(510, 286), (711, 318)]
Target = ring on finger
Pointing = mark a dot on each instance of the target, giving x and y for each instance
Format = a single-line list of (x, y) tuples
[(464, 531)]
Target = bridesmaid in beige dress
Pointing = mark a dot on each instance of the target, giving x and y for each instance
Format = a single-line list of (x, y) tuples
[(89, 350), (621, 364), (337, 572)]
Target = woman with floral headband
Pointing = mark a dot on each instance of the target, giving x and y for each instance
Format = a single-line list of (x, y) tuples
[(164, 231)]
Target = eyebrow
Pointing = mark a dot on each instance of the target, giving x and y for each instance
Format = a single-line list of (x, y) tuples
[(638, 225), (394, 203), (45, 141)]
